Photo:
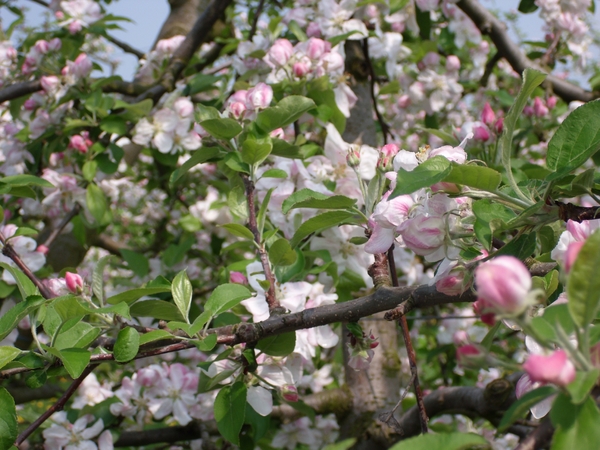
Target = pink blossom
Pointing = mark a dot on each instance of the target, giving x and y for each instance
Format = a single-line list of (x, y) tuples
[(300, 69), (259, 97), (470, 356), (313, 30), (237, 277), (455, 154), (316, 48), (42, 46), (404, 101), (539, 109), (280, 53), (452, 63), (423, 235), (50, 83), (571, 254), (237, 109), (481, 308), (184, 107), (551, 102), (555, 368), (74, 282), (487, 115), (454, 283), (289, 392), (504, 283), (54, 44), (80, 143), (499, 125), (481, 133), (528, 111)]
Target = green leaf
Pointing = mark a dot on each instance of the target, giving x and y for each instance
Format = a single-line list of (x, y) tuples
[(158, 309), (127, 345), (81, 335), (281, 253), (114, 124), (287, 111), (477, 177), (521, 407), (321, 222), (230, 406), (98, 205), (154, 335), (25, 285), (343, 445), (490, 216), (527, 6), (26, 180), (11, 318), (182, 294), (200, 156), (8, 420), (582, 385), (520, 247), (89, 170), (132, 295), (275, 173), (239, 230), (222, 128), (429, 172), (7, 354), (280, 345), (206, 344), (137, 262), (225, 297), (255, 151), (307, 198), (445, 441), (576, 140), (200, 83), (297, 30), (75, 360), (576, 425), (583, 286)]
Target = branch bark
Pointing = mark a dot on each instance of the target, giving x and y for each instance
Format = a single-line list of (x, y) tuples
[(488, 24)]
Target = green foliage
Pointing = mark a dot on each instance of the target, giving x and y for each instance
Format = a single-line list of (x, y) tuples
[(230, 406)]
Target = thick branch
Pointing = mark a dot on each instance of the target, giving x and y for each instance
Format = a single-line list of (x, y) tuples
[(19, 89), (337, 401), (496, 30), (167, 434)]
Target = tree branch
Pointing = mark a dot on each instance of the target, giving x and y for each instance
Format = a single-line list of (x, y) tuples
[(124, 46), (17, 90), (490, 25), (136, 439)]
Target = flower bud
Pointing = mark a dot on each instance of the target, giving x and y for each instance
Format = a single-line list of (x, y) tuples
[(481, 133), (452, 63), (237, 109), (289, 393), (78, 143), (50, 83), (54, 44), (404, 101), (423, 235), (237, 277), (555, 368), (551, 102), (539, 109), (487, 115), (301, 69), (184, 107), (353, 156), (42, 249), (470, 356), (259, 97), (42, 46), (499, 125), (316, 48), (481, 308), (313, 30), (74, 283), (280, 53), (504, 283), (571, 254)]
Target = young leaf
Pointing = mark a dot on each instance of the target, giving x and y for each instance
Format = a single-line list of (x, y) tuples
[(429, 172), (8, 420), (75, 360), (200, 156), (321, 222), (137, 262), (230, 406), (98, 205), (239, 230), (255, 151), (576, 139), (281, 253), (582, 385), (477, 177), (222, 128), (284, 113), (307, 198), (14, 315), (583, 287), (182, 294), (225, 297), (127, 345), (158, 309), (7, 354), (521, 407), (280, 345), (445, 441), (576, 425), (133, 295)]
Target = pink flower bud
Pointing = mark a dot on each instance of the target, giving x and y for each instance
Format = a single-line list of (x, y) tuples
[(59, 15), (487, 115), (54, 44), (571, 254), (551, 102), (42, 46), (390, 150), (452, 63), (504, 283), (237, 109), (289, 393), (78, 143), (301, 69), (316, 48), (29, 104), (460, 338), (259, 96), (423, 235), (75, 27), (50, 83), (482, 310), (353, 156), (278, 133), (74, 283), (481, 133), (184, 107), (555, 369), (539, 109), (280, 53), (81, 67), (431, 59), (404, 101), (470, 356), (499, 125), (237, 277), (42, 249), (528, 111), (454, 283)]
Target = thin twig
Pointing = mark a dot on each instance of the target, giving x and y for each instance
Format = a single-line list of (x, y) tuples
[(261, 5), (388, 417), (412, 356), (385, 129), (489, 68), (58, 406), (48, 242), (262, 252), (125, 46), (9, 251)]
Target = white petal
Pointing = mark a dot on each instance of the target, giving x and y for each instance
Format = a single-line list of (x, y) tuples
[(260, 399)]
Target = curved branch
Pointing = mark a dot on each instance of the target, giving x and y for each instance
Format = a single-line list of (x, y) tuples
[(124, 46), (17, 90), (488, 24)]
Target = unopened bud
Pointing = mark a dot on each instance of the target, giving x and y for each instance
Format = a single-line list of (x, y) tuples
[(353, 157), (74, 283), (289, 393)]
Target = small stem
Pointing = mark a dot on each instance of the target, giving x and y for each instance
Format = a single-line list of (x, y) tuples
[(10, 252), (58, 406), (259, 9), (262, 252), (48, 242), (412, 357), (515, 201), (385, 129)]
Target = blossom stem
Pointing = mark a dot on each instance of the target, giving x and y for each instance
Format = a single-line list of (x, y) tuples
[(58, 406), (575, 354), (412, 356)]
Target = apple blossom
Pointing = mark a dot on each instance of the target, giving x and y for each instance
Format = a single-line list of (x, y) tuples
[(504, 283), (74, 282), (555, 368)]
